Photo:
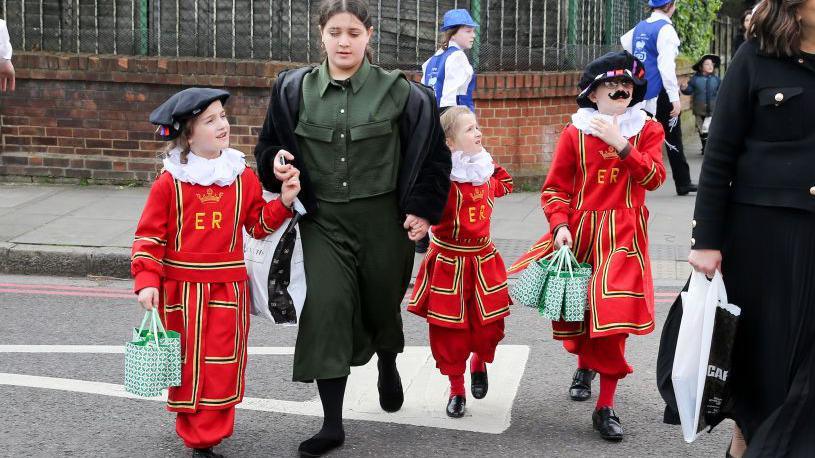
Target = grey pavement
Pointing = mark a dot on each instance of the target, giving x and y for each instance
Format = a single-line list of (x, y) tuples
[(88, 230)]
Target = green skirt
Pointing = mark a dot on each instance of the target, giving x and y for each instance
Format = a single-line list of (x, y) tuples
[(358, 262)]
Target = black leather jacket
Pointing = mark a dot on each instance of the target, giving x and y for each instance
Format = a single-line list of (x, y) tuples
[(424, 176)]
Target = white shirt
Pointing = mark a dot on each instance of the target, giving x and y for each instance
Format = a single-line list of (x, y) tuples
[(668, 47), (221, 171), (457, 75), (5, 42)]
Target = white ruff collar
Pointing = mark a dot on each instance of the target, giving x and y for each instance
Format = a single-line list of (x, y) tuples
[(631, 122), (474, 168), (221, 171)]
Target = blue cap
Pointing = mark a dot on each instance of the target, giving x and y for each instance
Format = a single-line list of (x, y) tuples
[(457, 18), (658, 3)]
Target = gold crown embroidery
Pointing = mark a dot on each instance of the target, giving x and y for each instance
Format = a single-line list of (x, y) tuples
[(609, 153), (210, 197), (477, 195)]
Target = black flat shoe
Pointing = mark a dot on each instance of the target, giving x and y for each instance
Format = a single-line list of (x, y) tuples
[(456, 406), (581, 385), (319, 445), (479, 384), (606, 421), (685, 189), (205, 453), (391, 395)]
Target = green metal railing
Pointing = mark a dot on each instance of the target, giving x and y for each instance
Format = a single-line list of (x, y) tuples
[(535, 35)]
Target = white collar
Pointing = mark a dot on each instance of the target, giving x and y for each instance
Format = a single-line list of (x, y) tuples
[(472, 168), (631, 122), (656, 15), (221, 171), (453, 44)]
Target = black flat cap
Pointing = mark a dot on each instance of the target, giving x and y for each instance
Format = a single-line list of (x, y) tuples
[(609, 66), (171, 115)]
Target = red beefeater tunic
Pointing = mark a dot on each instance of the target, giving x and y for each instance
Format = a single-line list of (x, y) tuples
[(602, 200), (461, 252), (189, 244)]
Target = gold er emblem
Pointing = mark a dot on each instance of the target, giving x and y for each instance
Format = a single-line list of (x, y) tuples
[(210, 197)]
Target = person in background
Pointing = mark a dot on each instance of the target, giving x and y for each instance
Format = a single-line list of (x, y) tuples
[(654, 42), (741, 32), (6, 68), (704, 87)]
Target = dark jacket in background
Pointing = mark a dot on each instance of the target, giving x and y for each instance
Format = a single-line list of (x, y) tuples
[(704, 89), (424, 175), (761, 148)]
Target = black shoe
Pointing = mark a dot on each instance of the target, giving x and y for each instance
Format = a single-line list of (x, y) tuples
[(581, 385), (391, 395), (456, 406), (205, 453), (606, 421), (479, 383), (684, 189), (727, 452), (320, 444)]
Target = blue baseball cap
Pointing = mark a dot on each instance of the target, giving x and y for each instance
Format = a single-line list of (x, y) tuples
[(457, 18), (658, 3)]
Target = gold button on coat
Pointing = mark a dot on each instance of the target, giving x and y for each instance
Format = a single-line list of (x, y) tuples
[(812, 190), (779, 97), (693, 223), (692, 242)]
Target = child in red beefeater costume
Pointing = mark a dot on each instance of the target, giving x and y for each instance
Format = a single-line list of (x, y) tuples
[(188, 259), (461, 287), (594, 199)]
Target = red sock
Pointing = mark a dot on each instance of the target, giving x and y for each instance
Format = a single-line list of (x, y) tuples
[(608, 386), (456, 385), (581, 362), (476, 365)]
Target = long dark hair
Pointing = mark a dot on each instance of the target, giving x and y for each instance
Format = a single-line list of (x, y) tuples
[(357, 8), (776, 28)]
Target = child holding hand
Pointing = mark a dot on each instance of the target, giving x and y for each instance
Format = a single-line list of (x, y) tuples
[(461, 287), (187, 259)]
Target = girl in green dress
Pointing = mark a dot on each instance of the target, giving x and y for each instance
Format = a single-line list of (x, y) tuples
[(374, 173)]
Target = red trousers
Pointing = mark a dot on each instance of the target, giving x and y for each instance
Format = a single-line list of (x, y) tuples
[(205, 428), (605, 355), (452, 347)]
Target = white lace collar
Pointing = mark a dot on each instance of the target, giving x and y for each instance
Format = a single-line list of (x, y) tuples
[(631, 122), (472, 168), (221, 171)]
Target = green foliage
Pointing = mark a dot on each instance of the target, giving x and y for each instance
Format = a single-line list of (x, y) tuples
[(694, 24)]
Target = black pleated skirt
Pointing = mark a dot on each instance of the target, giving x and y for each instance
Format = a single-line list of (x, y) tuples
[(769, 271)]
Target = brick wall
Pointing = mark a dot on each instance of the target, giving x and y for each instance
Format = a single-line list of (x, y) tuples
[(84, 117)]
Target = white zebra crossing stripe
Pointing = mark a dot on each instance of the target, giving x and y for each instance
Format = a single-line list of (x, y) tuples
[(426, 390)]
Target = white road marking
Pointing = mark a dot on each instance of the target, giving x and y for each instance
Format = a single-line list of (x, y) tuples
[(426, 390), (113, 349)]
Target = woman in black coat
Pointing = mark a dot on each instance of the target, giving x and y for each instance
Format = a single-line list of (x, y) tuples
[(755, 220)]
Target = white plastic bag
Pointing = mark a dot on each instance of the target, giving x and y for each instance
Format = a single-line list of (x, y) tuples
[(258, 253), (690, 368)]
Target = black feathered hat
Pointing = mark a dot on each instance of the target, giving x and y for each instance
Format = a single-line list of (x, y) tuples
[(717, 61), (610, 66), (171, 115)]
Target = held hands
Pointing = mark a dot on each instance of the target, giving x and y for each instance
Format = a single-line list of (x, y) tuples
[(563, 237), (288, 175), (283, 170), (148, 297), (609, 132), (417, 227), (290, 189), (706, 261)]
